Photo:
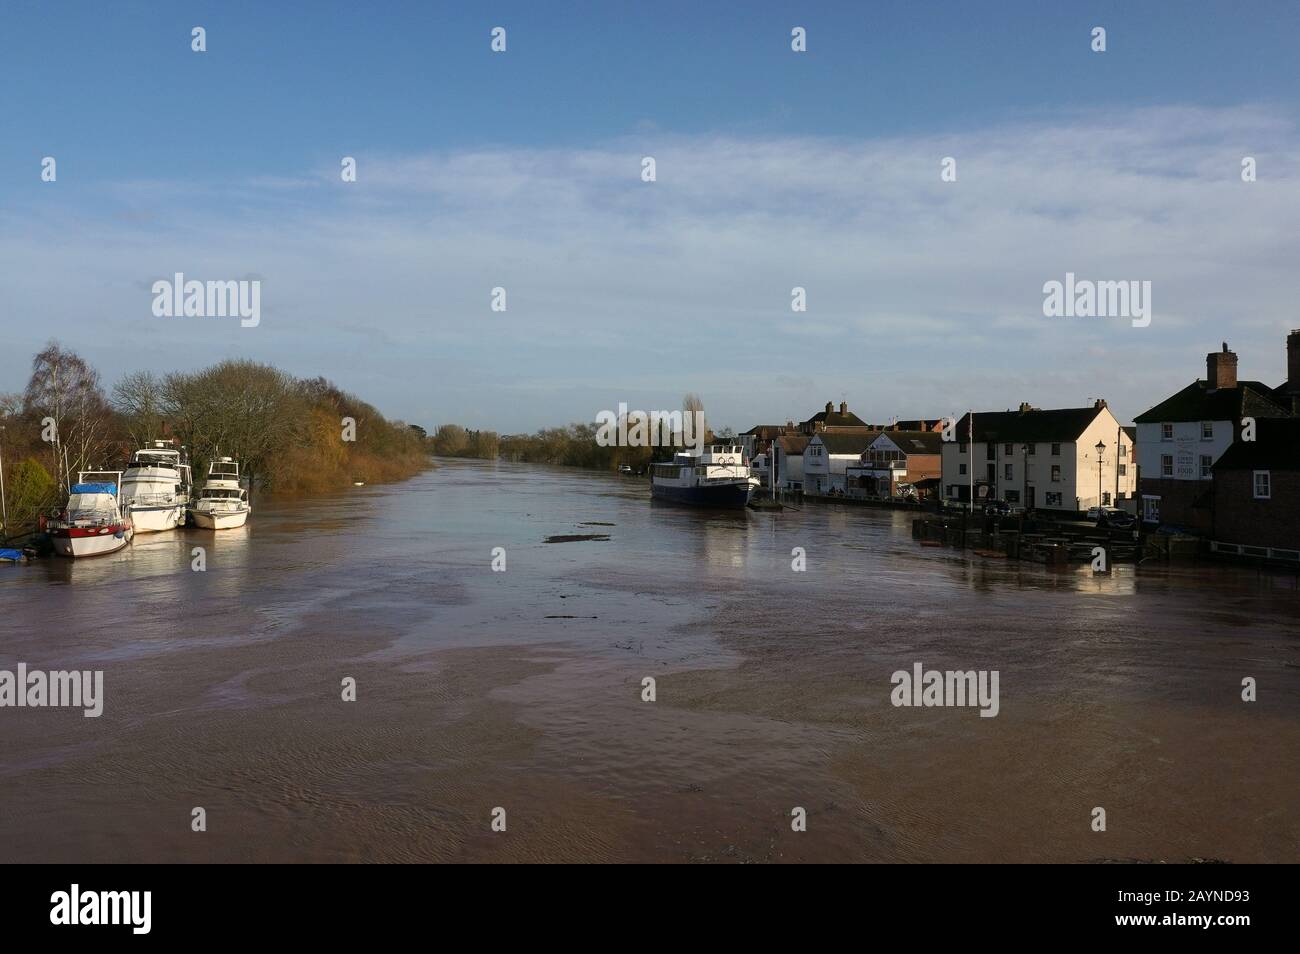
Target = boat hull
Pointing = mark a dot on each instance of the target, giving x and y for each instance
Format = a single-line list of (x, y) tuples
[(219, 520), (156, 519), (90, 541), (732, 496)]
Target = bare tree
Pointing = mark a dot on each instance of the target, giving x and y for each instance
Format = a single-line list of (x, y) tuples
[(138, 398), (65, 389), (690, 405)]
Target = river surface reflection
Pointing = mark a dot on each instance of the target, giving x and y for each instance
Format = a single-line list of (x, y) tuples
[(523, 689)]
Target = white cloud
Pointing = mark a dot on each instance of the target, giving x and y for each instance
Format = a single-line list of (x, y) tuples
[(924, 296)]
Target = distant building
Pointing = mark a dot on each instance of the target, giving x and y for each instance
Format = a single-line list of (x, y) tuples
[(787, 453), (1181, 438), (922, 424), (830, 453), (1041, 459), (896, 457), (759, 438), (1256, 501), (830, 418)]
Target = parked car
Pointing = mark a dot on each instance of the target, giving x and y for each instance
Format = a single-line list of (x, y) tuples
[(1112, 518), (997, 508)]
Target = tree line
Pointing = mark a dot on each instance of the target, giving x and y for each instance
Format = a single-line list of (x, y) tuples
[(572, 446), (291, 435)]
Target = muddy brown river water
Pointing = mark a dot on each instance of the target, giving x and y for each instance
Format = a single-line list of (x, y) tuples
[(522, 690)]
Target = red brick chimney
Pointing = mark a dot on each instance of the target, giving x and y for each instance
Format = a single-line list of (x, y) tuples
[(1221, 368), (1293, 360), (829, 407), (844, 407)]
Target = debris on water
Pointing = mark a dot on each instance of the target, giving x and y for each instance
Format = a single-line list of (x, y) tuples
[(598, 523), (573, 537), (570, 617)]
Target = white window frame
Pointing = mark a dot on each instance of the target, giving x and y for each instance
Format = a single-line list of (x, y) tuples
[(1268, 485), (1170, 459), (1207, 430), (1166, 432)]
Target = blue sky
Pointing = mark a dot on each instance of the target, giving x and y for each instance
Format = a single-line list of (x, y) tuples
[(775, 169)]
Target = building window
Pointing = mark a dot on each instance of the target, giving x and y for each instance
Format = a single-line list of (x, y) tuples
[(1123, 470), (1166, 465), (961, 471), (1008, 449), (961, 447), (816, 450), (1151, 509), (1105, 499), (1053, 499), (1263, 486), (1008, 472), (1031, 449), (1013, 496), (1056, 450), (1207, 430), (1056, 475), (991, 452), (1166, 432), (1207, 465)]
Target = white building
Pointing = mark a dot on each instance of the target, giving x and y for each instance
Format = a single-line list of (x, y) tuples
[(1181, 438), (1042, 460), (787, 452), (828, 456)]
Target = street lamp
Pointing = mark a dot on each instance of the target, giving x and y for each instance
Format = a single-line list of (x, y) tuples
[(1101, 449)]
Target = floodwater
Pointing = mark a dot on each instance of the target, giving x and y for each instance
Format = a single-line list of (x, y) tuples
[(522, 690)]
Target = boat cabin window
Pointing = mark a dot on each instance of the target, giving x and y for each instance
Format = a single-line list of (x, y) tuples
[(221, 494)]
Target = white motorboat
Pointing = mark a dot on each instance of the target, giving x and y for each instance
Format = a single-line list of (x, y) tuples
[(92, 524), (156, 488), (222, 503)]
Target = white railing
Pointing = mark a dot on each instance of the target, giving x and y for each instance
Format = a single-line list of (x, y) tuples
[(1268, 553)]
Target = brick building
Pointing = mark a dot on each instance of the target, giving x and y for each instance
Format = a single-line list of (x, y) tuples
[(1181, 438), (1256, 500)]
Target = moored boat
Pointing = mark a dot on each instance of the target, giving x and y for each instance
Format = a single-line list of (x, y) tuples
[(222, 503), (715, 477), (156, 488), (92, 524)]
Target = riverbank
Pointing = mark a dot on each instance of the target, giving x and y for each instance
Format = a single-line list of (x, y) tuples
[(523, 689)]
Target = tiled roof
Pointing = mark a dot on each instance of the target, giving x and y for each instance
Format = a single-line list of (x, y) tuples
[(1276, 446), (1199, 402), (847, 442), (836, 419), (916, 442), (793, 443), (1028, 427)]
